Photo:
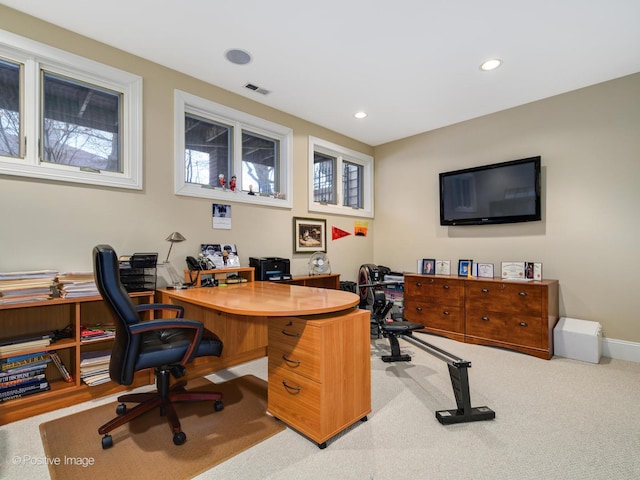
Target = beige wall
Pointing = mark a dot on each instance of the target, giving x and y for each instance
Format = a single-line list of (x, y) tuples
[(589, 141), (55, 225)]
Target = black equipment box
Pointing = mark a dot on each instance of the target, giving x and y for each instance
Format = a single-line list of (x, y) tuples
[(270, 268)]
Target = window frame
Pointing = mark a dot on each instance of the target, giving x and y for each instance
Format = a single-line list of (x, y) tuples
[(342, 154), (34, 57), (184, 103)]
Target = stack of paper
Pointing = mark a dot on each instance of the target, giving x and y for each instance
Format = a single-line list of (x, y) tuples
[(94, 367), (77, 284), (33, 286)]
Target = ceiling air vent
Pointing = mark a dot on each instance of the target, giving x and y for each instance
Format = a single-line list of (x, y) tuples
[(256, 88)]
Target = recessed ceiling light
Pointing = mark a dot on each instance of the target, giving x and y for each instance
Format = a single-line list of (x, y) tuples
[(360, 114), (491, 64), (237, 56)]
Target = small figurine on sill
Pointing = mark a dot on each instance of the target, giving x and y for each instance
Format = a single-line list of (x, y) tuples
[(221, 180), (232, 184), (251, 190)]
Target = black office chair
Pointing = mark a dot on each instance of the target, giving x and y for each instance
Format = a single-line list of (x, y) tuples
[(166, 345)]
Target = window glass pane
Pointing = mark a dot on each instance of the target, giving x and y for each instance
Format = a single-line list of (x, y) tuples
[(324, 188), (352, 183), (81, 124), (260, 163), (9, 109), (207, 151)]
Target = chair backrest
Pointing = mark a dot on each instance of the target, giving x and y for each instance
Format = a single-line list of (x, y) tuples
[(125, 348)]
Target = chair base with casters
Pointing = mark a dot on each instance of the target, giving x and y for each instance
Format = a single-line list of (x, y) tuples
[(164, 344), (163, 398)]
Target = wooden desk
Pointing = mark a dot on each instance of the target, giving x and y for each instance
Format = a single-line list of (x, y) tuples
[(318, 348)]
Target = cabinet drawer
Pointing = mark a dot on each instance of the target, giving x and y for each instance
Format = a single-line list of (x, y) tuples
[(441, 317), (504, 297), (442, 291), (515, 329), (303, 358), (295, 400), (291, 331)]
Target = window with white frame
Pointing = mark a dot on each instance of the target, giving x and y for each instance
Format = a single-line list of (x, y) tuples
[(67, 118), (226, 154), (340, 180)]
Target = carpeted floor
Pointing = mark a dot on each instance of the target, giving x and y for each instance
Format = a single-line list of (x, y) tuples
[(144, 448)]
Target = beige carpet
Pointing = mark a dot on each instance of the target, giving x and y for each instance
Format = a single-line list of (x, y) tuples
[(144, 448)]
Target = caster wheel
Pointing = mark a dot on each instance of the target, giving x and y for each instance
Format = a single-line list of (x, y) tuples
[(364, 419), (322, 445), (121, 409), (179, 438), (107, 442), (218, 405)]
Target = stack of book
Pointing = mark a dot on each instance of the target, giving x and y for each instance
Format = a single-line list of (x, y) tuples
[(94, 367), (23, 342), (76, 284), (33, 286), (23, 375), (97, 332)]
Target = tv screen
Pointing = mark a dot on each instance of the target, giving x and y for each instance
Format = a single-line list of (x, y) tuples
[(507, 192)]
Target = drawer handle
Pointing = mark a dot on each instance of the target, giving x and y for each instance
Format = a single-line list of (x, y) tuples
[(446, 287), (288, 360), (290, 334), (295, 389), (522, 294), (418, 284), (484, 319), (446, 312), (523, 324), (485, 290), (419, 309)]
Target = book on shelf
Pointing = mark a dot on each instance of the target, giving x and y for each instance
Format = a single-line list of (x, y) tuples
[(24, 390), (97, 379), (96, 357), (12, 363), (22, 381), (24, 373), (61, 367)]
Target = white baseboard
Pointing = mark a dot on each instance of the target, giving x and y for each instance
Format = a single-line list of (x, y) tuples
[(621, 349)]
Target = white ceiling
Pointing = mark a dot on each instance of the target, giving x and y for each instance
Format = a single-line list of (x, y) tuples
[(413, 65)]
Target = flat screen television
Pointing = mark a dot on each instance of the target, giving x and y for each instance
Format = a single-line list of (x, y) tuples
[(507, 192)]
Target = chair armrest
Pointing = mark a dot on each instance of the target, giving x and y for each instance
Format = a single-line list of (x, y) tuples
[(178, 323), (160, 307)]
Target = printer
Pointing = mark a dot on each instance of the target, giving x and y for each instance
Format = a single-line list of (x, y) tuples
[(270, 268)]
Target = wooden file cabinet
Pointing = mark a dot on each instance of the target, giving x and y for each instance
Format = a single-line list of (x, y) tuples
[(519, 316), (436, 303), (510, 314), (319, 372)]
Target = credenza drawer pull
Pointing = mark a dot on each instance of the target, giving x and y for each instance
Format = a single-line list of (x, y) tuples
[(523, 324), (522, 294), (446, 287), (446, 312), (418, 284), (297, 335), (288, 360), (419, 309), (485, 290), (295, 389), (484, 319)]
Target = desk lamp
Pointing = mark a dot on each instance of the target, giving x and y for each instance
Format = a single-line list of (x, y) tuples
[(176, 279)]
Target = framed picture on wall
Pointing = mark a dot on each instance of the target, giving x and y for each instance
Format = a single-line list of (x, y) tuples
[(309, 235)]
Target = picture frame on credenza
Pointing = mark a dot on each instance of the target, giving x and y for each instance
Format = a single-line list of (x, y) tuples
[(464, 268)]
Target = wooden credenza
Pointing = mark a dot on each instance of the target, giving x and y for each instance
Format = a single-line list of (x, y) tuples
[(317, 384), (509, 314)]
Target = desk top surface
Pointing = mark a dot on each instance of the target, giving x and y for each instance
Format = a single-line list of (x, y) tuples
[(266, 298)]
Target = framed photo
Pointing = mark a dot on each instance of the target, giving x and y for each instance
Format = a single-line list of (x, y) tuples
[(464, 268), (428, 266), (309, 235), (485, 270)]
